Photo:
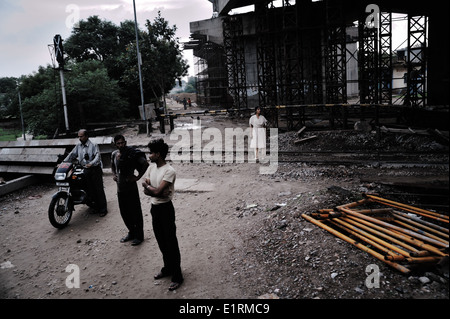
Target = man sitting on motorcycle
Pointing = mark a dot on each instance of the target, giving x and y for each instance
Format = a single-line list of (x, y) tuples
[(88, 155)]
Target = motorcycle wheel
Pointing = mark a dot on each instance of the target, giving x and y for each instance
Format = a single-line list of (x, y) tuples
[(58, 215)]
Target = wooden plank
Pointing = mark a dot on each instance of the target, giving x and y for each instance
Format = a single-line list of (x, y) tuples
[(38, 155), (65, 142), (26, 169)]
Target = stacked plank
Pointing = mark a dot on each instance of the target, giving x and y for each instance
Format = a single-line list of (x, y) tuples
[(400, 235)]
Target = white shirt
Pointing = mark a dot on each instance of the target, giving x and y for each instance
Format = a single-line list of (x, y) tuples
[(156, 175)]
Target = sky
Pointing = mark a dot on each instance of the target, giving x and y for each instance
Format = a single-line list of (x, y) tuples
[(27, 27)]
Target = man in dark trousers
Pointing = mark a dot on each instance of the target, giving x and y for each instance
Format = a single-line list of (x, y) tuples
[(159, 185), (124, 162), (88, 155)]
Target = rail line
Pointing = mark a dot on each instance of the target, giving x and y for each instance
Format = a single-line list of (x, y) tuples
[(422, 159)]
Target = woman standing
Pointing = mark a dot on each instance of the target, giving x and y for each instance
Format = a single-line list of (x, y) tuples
[(258, 125)]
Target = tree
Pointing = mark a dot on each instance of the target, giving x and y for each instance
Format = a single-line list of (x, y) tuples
[(91, 97), (9, 97), (103, 41), (94, 96), (162, 61), (191, 85)]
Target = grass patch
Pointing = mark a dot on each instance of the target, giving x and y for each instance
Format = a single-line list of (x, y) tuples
[(9, 134)]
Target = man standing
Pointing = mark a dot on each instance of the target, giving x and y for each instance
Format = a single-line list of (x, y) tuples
[(159, 185), (88, 155), (124, 161)]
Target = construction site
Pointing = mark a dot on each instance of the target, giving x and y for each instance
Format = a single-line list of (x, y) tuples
[(357, 207)]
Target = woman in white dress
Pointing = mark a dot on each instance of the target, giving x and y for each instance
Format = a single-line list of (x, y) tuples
[(258, 128)]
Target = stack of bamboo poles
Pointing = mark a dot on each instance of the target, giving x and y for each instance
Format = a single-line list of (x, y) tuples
[(400, 235)]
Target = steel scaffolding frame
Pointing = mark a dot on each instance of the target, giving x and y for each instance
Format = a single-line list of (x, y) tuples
[(235, 60), (301, 57), (385, 64), (210, 70), (416, 61), (266, 61), (368, 63), (335, 52), (289, 58)]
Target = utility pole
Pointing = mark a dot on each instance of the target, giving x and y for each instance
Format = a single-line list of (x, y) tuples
[(139, 59), (59, 52), (21, 115)]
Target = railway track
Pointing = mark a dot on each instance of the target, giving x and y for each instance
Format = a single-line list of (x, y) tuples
[(375, 158)]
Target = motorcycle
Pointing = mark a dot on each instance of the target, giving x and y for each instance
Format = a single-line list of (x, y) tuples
[(71, 180)]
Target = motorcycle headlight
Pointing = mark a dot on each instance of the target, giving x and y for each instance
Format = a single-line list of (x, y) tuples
[(60, 176)]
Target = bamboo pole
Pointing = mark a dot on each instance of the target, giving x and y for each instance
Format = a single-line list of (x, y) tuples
[(410, 240), (379, 231), (384, 224), (377, 255), (423, 222), (392, 252), (420, 211), (405, 225), (374, 210), (370, 239)]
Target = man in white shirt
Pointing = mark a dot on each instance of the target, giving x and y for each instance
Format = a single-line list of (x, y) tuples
[(159, 185)]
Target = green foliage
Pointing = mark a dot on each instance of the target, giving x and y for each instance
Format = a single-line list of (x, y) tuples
[(191, 85), (91, 97), (103, 82), (9, 97), (162, 62)]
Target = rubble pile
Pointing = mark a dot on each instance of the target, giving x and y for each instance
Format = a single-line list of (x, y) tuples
[(286, 256)]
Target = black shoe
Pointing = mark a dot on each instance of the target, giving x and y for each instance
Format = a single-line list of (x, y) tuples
[(136, 242), (126, 238)]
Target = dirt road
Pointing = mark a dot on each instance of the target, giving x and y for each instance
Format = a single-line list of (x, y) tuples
[(239, 232)]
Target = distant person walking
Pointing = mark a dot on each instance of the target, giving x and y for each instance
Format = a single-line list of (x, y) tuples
[(184, 103), (258, 133), (160, 186), (124, 162)]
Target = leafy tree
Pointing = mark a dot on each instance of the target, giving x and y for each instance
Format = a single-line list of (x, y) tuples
[(91, 97), (162, 62), (9, 97), (191, 85), (101, 40), (40, 101)]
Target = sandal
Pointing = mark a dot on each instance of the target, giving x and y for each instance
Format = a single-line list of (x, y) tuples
[(174, 285), (160, 275)]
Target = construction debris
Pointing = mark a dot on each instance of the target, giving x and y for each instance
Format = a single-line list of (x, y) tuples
[(402, 236)]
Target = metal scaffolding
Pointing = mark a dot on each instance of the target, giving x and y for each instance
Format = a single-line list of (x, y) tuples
[(416, 61), (296, 53), (235, 60), (385, 56), (210, 68), (335, 52), (266, 60)]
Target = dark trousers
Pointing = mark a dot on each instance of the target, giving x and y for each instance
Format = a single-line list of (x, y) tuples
[(163, 220), (131, 212), (96, 190)]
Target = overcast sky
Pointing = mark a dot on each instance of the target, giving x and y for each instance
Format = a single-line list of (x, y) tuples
[(27, 27)]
